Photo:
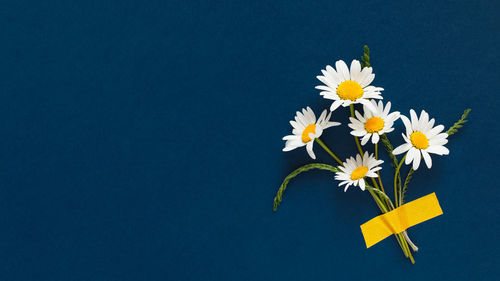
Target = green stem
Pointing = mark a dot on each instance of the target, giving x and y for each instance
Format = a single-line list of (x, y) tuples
[(329, 151), (395, 182), (407, 248), (377, 200), (356, 138), (399, 237), (384, 209), (389, 148), (378, 172), (388, 201), (413, 246), (405, 185), (351, 107)]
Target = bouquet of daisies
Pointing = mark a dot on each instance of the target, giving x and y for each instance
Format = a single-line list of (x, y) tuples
[(346, 86)]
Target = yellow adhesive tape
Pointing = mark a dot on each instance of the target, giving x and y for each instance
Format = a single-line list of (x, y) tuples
[(401, 218)]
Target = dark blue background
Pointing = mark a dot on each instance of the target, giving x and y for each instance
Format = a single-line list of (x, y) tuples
[(142, 141)]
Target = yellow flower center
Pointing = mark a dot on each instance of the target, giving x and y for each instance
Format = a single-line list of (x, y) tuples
[(419, 140), (349, 90), (305, 134), (359, 173), (374, 124)]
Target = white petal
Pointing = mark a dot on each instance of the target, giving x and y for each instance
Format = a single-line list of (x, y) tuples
[(322, 116), (331, 75), (373, 91), (416, 160), (424, 119), (310, 119), (427, 159), (366, 158), (440, 150), (375, 138), (387, 108), (358, 133), (359, 116), (435, 131), (412, 153), (299, 117), (387, 130), (309, 148), (407, 123), (346, 103), (362, 184), (328, 117), (368, 79), (324, 88), (402, 148), (367, 113), (407, 140), (328, 82), (356, 123), (312, 116), (296, 125), (291, 145), (359, 161), (414, 119), (342, 70), (342, 183), (380, 106), (365, 139), (440, 136), (438, 142), (364, 73), (331, 124), (335, 105), (368, 104), (355, 70), (294, 143), (393, 116), (429, 125)]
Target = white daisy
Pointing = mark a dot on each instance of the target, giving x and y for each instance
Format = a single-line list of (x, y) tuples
[(355, 170), (373, 124), (306, 129), (421, 139), (346, 87)]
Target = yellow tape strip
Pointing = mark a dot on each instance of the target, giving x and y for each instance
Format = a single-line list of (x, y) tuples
[(401, 218)]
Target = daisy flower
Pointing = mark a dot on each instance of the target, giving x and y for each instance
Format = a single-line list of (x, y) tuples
[(306, 129), (346, 87), (354, 171), (373, 124), (421, 139)]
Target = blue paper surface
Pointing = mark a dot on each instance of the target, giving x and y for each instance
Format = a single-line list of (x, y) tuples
[(141, 140)]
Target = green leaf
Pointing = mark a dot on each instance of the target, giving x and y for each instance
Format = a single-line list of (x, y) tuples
[(389, 148), (365, 59), (459, 123), (279, 194), (379, 192), (405, 186)]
